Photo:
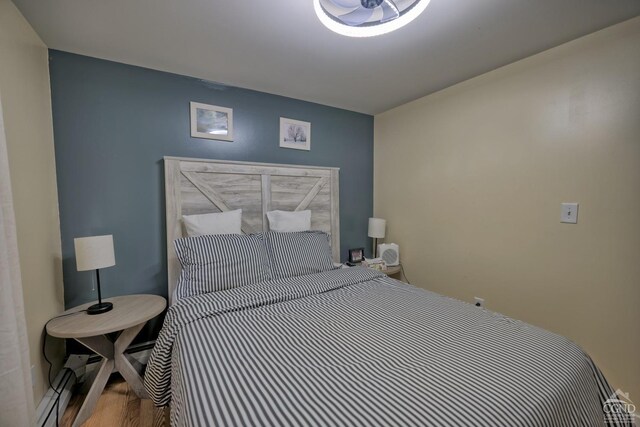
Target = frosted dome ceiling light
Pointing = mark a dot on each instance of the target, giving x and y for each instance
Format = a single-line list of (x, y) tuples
[(367, 18)]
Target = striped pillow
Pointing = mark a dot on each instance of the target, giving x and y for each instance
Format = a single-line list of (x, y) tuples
[(298, 253), (217, 262)]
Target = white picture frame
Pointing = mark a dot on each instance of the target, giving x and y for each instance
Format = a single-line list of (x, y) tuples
[(211, 122), (295, 134)]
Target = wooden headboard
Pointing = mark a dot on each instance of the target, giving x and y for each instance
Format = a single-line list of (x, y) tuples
[(197, 186)]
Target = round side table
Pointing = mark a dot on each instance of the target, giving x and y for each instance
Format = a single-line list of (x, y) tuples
[(129, 315)]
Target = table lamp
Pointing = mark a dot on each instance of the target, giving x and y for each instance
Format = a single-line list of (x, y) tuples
[(94, 253), (376, 231)]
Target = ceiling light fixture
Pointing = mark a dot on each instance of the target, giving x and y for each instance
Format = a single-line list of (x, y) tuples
[(367, 18)]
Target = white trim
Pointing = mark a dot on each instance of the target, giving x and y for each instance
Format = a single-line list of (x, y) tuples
[(46, 411)]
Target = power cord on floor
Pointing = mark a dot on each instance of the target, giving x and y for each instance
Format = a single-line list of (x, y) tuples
[(44, 354)]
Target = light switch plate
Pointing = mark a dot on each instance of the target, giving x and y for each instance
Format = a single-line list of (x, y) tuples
[(569, 213)]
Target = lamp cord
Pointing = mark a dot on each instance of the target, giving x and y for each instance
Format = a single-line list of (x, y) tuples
[(405, 276), (44, 354)]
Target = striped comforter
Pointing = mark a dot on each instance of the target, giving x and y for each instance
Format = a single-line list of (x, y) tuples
[(352, 347)]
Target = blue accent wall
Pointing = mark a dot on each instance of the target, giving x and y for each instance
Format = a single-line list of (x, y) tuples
[(113, 123)]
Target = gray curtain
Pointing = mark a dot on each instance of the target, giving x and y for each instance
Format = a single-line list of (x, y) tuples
[(16, 395)]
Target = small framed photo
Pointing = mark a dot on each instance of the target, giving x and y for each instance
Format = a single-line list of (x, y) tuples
[(356, 255), (211, 122), (295, 134)]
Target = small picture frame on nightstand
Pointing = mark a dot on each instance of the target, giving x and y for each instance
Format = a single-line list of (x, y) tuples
[(356, 255)]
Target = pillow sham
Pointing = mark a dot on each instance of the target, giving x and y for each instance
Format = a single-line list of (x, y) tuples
[(299, 253), (217, 262), (285, 221), (213, 223)]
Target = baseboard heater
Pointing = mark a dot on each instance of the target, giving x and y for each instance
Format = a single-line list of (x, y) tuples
[(66, 379), (46, 411)]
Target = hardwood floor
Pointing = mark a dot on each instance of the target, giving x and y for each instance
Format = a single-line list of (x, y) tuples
[(118, 406)]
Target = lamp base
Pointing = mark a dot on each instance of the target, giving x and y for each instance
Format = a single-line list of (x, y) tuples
[(100, 308)]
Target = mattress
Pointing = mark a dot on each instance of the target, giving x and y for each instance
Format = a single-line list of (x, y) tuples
[(352, 347)]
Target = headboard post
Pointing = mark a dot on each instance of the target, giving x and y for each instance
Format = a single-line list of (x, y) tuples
[(196, 186), (173, 217), (335, 214)]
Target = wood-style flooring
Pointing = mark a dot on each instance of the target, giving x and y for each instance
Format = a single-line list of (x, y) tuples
[(118, 406)]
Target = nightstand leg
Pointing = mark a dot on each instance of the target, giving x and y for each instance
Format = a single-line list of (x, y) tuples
[(98, 344), (128, 372), (99, 382)]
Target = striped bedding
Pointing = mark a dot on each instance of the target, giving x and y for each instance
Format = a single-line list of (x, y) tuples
[(216, 262), (352, 347)]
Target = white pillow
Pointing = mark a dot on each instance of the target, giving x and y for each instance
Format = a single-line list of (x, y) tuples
[(284, 221), (213, 223)]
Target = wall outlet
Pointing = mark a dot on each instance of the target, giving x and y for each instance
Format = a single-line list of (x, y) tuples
[(479, 302)]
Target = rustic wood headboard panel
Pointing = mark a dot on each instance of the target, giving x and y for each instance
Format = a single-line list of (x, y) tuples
[(196, 186)]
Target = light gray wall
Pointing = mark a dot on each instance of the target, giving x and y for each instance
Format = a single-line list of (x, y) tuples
[(484, 166)]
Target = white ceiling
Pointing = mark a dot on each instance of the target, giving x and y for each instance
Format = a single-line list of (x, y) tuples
[(280, 47)]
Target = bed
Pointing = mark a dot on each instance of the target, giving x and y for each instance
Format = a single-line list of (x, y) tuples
[(346, 346)]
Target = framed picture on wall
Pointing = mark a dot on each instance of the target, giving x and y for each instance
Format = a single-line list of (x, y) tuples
[(295, 134), (211, 122)]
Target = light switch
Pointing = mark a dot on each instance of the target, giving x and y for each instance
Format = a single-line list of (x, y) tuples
[(569, 213)]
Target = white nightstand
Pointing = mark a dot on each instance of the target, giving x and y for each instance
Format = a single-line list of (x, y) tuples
[(129, 315), (393, 270)]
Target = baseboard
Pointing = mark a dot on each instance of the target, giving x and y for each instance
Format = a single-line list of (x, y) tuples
[(66, 379), (46, 411)]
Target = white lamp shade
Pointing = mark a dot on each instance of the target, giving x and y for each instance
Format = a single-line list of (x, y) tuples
[(377, 227), (94, 252)]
